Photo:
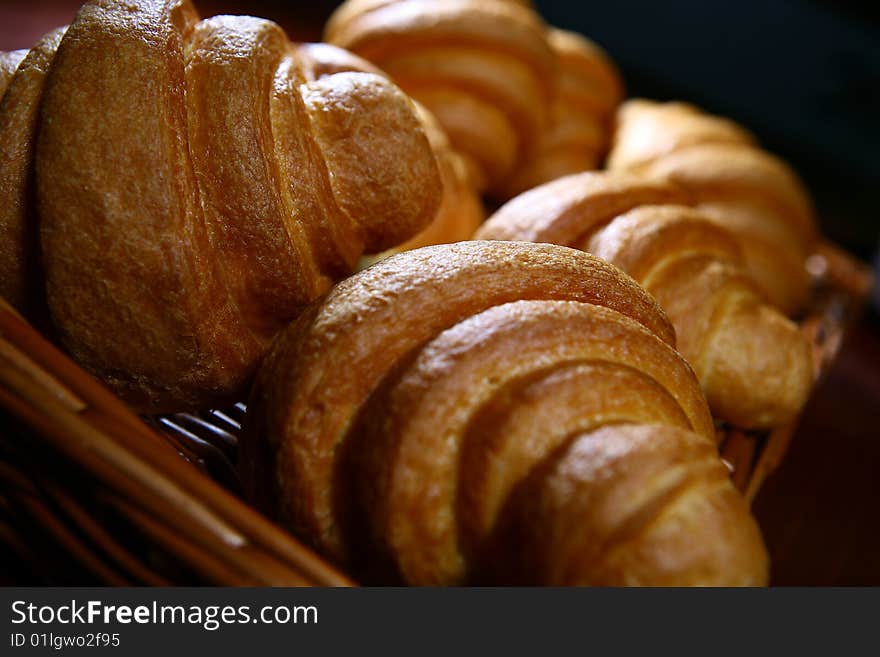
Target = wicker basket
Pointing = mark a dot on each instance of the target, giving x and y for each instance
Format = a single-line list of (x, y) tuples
[(90, 493)]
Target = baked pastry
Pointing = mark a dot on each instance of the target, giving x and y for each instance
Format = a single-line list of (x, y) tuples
[(748, 191), (753, 363), (23, 76), (397, 421), (484, 68), (196, 190), (461, 210), (9, 62), (589, 91)]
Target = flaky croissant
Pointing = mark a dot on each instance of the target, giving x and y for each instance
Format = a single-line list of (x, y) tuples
[(484, 68), (452, 396), (589, 91), (753, 363), (461, 210), (748, 191), (195, 190), (23, 77), (9, 62)]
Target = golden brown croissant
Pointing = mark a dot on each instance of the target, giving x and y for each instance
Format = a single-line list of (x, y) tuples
[(196, 189), (753, 363), (590, 89), (22, 88), (745, 189), (484, 68), (461, 210), (402, 417), (9, 62)]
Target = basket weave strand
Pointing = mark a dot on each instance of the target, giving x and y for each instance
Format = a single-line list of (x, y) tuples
[(135, 470)]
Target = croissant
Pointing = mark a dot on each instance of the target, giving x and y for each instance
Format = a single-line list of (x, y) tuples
[(453, 395), (196, 190), (24, 73), (590, 89), (9, 62), (484, 68), (461, 210), (753, 363), (750, 192)]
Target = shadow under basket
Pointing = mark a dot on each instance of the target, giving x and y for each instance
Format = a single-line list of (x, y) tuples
[(90, 493)]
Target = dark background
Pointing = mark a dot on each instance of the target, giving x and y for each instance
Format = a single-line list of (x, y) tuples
[(804, 75)]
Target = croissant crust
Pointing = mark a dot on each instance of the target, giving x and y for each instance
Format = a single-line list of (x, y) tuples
[(196, 189), (753, 363), (400, 416)]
